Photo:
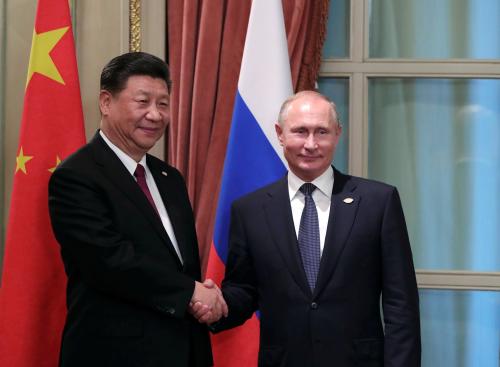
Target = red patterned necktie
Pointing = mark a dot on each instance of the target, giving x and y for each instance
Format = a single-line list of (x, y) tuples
[(141, 180)]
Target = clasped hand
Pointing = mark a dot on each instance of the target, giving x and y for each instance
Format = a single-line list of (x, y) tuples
[(207, 304)]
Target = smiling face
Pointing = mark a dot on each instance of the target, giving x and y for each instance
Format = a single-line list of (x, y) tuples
[(309, 134), (136, 117)]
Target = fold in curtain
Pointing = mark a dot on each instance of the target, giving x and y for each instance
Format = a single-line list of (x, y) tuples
[(206, 41)]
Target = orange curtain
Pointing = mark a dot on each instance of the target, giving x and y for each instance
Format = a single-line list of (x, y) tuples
[(206, 41)]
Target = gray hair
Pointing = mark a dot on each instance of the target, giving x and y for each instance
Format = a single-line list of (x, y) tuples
[(283, 114)]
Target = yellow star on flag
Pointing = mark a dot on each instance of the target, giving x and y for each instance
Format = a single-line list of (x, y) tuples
[(58, 160), (21, 160), (40, 60)]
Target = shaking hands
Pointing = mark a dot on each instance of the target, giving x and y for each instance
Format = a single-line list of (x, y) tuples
[(207, 304)]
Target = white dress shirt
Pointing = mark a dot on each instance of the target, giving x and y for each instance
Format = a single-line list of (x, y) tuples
[(130, 164), (322, 197)]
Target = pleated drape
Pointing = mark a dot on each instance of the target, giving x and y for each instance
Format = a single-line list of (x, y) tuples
[(206, 41)]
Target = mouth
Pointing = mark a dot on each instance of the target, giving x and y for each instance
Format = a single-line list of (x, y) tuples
[(149, 130), (309, 157)]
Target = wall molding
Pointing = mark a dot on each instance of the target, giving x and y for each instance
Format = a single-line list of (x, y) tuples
[(463, 280)]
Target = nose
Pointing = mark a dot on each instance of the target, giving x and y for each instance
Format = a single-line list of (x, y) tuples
[(153, 113), (310, 142)]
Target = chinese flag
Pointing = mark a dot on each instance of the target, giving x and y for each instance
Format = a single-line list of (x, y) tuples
[(32, 293)]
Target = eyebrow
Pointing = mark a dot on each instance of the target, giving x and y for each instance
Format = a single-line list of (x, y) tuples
[(148, 93)]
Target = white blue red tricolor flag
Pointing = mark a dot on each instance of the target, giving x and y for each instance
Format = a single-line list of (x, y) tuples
[(254, 157)]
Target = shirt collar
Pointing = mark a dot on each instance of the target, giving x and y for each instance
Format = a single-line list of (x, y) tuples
[(129, 163), (323, 182)]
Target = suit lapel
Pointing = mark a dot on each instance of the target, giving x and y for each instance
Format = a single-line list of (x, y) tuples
[(342, 214), (279, 217), (167, 189), (116, 172)]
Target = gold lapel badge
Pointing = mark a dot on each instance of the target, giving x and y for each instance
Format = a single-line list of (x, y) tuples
[(348, 200)]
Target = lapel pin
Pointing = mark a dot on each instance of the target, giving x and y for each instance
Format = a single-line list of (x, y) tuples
[(348, 200), (164, 173)]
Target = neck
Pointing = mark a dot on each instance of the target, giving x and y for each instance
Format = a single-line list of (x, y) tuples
[(136, 156)]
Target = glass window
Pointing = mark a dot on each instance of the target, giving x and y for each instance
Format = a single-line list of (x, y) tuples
[(438, 141), (460, 328), (337, 36), (337, 89), (465, 29)]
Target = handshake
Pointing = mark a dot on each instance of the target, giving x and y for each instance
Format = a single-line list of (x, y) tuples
[(207, 304)]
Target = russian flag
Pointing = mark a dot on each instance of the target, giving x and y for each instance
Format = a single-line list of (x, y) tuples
[(254, 157)]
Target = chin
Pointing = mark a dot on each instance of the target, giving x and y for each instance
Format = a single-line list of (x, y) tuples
[(312, 173), (145, 146), (309, 168), (149, 140)]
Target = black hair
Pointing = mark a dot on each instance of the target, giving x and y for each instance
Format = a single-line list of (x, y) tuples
[(115, 74)]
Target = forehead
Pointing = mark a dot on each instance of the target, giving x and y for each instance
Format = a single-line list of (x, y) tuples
[(145, 84), (309, 110)]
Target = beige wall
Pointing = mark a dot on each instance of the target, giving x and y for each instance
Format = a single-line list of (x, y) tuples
[(19, 16), (101, 32)]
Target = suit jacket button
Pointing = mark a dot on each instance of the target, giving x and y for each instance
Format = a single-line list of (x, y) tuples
[(171, 310), (314, 305)]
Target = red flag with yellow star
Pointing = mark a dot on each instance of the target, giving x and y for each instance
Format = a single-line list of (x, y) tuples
[(32, 292)]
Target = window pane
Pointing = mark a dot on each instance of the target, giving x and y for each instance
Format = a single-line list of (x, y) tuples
[(460, 328), (337, 36), (337, 89), (468, 29), (438, 141)]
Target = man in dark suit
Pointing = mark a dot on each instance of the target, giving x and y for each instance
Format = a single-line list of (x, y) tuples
[(318, 253), (127, 235)]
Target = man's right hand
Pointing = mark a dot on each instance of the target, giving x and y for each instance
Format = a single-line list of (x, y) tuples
[(207, 304)]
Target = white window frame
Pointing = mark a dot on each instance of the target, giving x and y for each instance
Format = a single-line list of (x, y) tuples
[(359, 68)]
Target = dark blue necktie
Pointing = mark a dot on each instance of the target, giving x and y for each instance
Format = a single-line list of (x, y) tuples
[(309, 236)]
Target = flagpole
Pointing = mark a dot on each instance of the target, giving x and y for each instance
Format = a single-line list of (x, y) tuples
[(135, 25)]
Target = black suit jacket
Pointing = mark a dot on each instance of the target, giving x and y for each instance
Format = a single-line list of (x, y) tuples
[(127, 291), (366, 254)]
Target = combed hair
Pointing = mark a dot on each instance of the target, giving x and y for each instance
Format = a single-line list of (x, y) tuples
[(115, 74)]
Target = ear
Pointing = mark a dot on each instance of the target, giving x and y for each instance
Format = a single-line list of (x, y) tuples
[(338, 129), (104, 102), (279, 132), (338, 132)]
